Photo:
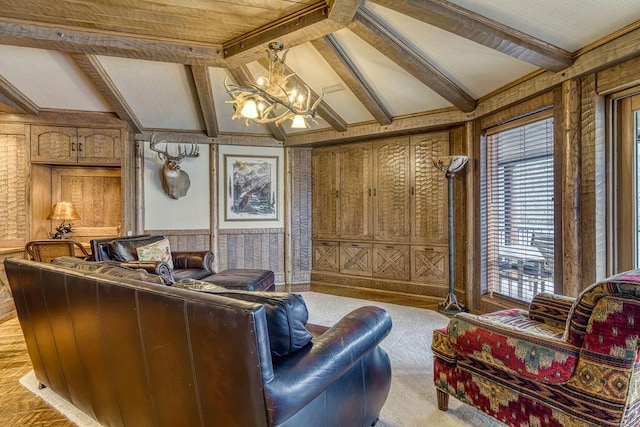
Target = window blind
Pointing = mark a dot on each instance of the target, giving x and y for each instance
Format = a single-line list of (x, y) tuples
[(518, 208)]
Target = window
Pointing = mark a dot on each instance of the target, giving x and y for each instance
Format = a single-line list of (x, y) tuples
[(518, 208)]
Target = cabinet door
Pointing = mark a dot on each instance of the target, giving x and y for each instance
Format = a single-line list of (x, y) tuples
[(391, 261), (325, 193), (99, 146), (356, 259), (430, 206), (326, 256), (53, 144), (391, 195), (430, 264), (355, 192)]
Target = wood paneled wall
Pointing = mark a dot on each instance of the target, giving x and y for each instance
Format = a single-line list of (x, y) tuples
[(299, 229), (261, 248)]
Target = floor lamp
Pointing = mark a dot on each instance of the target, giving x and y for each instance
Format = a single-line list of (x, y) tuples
[(450, 165)]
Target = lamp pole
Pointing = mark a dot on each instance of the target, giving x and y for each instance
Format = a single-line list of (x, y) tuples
[(450, 165)]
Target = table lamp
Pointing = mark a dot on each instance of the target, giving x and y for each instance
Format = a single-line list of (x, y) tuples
[(63, 211)]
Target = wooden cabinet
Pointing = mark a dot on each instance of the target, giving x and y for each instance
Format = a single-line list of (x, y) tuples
[(355, 193), (70, 145), (356, 258), (429, 189), (326, 256), (391, 261), (430, 263), (391, 191), (380, 211), (325, 194)]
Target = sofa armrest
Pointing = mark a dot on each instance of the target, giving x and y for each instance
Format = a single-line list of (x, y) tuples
[(552, 309), (193, 259), (159, 268), (509, 341), (304, 375)]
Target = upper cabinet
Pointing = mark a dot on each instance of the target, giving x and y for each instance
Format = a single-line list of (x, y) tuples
[(71, 145)]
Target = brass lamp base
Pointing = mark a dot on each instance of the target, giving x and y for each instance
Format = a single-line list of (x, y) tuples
[(451, 305)]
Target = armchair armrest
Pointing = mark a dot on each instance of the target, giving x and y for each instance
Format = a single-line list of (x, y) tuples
[(552, 309), (303, 376), (193, 259), (159, 268), (509, 341)]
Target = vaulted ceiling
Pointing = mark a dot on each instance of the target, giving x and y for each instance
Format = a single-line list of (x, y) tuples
[(161, 64)]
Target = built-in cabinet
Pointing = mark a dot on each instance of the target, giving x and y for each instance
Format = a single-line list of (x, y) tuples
[(380, 211), (71, 145)]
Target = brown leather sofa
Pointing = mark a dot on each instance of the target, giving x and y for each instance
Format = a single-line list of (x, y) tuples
[(187, 264), (129, 351)]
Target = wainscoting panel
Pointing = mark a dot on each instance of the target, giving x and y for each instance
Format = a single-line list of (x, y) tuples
[(186, 240), (261, 248)]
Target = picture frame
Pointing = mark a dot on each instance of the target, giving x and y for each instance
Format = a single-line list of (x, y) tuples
[(251, 185)]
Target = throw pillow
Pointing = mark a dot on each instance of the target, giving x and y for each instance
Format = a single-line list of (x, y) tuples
[(286, 314), (158, 251)]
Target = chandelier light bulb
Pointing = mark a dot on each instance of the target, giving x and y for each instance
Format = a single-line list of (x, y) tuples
[(261, 81), (249, 109), (299, 122)]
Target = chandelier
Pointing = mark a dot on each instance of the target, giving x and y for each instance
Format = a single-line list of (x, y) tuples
[(272, 99)]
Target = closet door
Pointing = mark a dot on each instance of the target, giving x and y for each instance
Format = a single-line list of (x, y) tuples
[(325, 193), (355, 192), (391, 191), (429, 189)]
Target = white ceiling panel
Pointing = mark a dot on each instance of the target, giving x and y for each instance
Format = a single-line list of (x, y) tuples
[(400, 92), (50, 79), (311, 67), (476, 69), (161, 94), (567, 24)]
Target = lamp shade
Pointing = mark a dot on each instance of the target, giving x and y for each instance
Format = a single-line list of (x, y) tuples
[(63, 210), (450, 164)]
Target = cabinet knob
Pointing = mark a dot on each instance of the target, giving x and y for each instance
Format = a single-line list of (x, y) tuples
[(79, 146), (73, 146)]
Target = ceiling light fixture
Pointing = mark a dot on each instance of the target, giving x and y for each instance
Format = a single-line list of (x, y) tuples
[(271, 100)]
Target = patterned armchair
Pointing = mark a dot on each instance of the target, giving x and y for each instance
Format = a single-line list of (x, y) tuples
[(565, 362)]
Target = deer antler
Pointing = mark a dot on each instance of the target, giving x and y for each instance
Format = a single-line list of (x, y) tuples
[(164, 154)]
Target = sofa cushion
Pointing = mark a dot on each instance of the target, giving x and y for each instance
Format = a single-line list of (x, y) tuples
[(286, 314), (157, 251), (129, 273), (80, 264)]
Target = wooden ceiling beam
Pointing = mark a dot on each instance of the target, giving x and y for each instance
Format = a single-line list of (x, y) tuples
[(204, 90), (15, 100), (348, 72), (315, 21), (243, 76), (370, 28), (487, 32), (24, 34), (92, 68)]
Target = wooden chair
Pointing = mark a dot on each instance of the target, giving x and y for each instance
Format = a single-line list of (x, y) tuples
[(46, 250)]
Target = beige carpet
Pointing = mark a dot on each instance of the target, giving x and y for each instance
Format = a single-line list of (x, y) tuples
[(412, 399)]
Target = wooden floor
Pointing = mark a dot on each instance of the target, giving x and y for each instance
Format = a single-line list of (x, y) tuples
[(20, 407)]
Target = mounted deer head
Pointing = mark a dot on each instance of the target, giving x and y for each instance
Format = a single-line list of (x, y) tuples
[(175, 182)]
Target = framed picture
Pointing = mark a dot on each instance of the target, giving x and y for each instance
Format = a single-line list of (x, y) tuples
[(251, 186)]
